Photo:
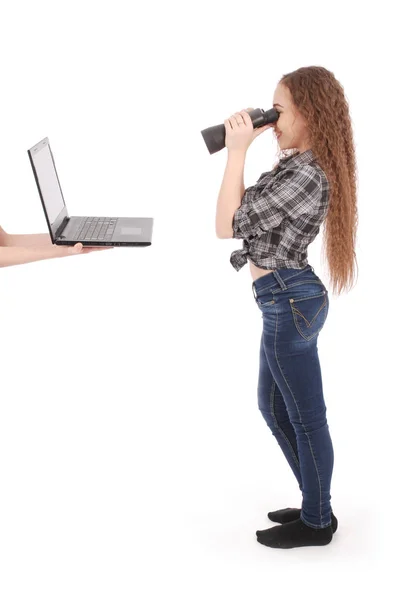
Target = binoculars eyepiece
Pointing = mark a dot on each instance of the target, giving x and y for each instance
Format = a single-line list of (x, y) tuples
[(215, 137)]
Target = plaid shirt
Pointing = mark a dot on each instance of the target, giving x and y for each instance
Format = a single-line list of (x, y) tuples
[(281, 214)]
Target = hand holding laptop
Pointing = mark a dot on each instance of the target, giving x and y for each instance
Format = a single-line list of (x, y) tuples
[(79, 249), (30, 247)]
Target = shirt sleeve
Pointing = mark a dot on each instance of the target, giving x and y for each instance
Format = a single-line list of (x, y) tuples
[(297, 192)]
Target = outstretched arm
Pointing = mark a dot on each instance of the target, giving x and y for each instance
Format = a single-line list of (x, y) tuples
[(29, 239), (25, 248)]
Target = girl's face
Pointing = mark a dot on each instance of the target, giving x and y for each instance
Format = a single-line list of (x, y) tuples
[(290, 128)]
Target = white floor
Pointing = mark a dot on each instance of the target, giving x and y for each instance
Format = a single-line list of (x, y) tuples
[(106, 506)]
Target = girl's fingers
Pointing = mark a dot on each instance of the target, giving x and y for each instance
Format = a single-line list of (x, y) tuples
[(80, 249), (236, 119), (86, 250)]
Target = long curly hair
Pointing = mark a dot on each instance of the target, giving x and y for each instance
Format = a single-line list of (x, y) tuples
[(320, 99)]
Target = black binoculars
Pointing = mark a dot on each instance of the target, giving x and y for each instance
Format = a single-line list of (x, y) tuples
[(215, 137)]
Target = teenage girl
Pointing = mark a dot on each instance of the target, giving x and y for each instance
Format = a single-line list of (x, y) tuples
[(313, 184)]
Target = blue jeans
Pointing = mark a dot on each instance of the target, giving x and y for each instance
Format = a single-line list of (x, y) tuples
[(294, 305)]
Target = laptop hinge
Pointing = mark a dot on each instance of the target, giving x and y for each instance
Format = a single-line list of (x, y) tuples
[(61, 228)]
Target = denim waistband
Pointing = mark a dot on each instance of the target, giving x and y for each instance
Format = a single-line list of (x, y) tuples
[(278, 276)]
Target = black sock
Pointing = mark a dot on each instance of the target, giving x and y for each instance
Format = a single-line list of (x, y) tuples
[(294, 535), (286, 515)]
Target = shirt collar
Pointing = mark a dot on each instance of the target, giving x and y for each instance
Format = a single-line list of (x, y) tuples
[(303, 158)]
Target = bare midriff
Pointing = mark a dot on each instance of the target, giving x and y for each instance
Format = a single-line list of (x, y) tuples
[(257, 272)]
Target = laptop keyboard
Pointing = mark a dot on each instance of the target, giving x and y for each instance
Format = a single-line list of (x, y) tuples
[(96, 228)]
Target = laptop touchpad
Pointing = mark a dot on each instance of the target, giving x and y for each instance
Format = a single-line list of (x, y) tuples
[(130, 230)]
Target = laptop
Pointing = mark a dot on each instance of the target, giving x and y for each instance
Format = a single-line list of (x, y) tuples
[(90, 231)]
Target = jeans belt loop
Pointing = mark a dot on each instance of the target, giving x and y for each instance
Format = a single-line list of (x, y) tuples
[(279, 280)]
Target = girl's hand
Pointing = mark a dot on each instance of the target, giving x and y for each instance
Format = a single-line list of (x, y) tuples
[(240, 132), (80, 249)]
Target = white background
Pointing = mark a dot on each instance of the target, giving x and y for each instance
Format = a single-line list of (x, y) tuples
[(134, 462)]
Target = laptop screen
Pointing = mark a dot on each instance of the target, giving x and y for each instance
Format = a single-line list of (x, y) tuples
[(48, 184)]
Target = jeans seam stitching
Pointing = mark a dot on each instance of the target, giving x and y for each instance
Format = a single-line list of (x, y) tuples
[(277, 290), (307, 338), (295, 309), (314, 526), (310, 297), (300, 418), (279, 428), (290, 277)]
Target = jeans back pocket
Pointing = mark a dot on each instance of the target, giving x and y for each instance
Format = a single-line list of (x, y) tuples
[(310, 313)]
